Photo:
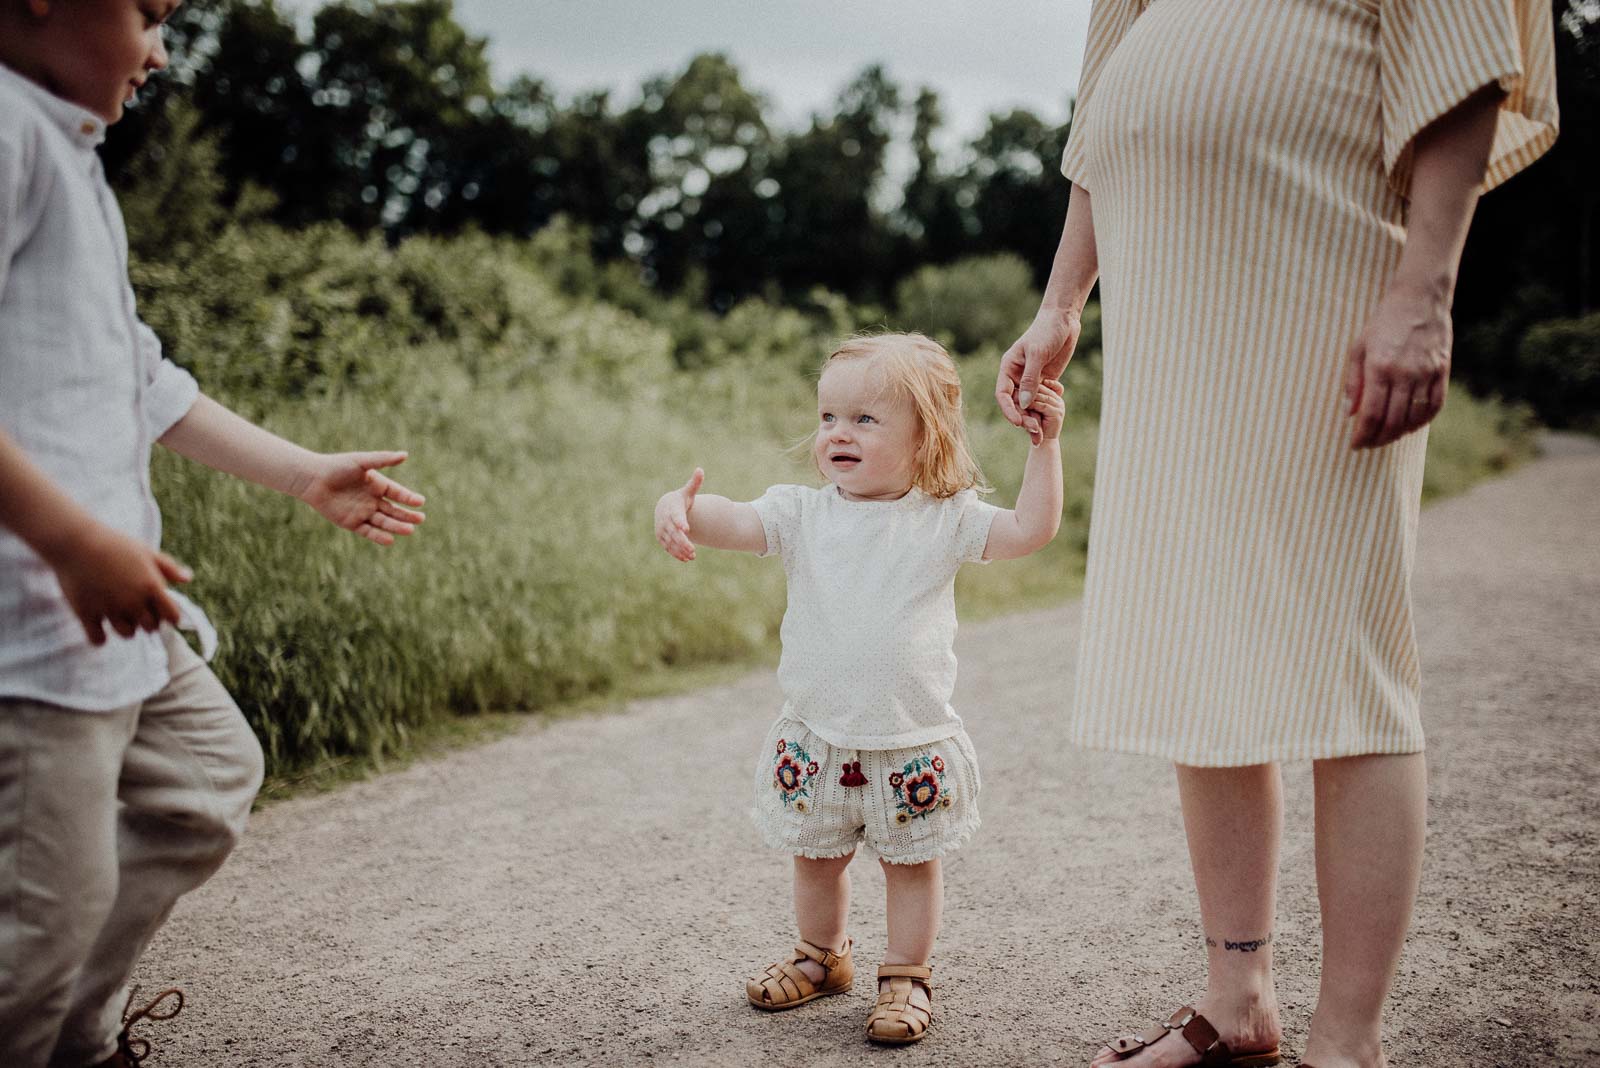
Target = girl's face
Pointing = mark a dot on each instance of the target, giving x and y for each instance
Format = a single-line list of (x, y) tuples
[(868, 434), (97, 53)]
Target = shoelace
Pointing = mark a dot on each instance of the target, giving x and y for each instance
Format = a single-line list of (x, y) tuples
[(135, 1050)]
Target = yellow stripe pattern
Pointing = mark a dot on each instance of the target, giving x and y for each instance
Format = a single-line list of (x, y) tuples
[(1248, 588)]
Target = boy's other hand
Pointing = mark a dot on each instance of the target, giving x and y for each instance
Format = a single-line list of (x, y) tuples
[(349, 490), (1045, 413), (672, 517), (108, 577)]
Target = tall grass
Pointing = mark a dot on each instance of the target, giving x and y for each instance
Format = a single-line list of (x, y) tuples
[(546, 403)]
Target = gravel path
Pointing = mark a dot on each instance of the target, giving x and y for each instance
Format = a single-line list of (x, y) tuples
[(591, 891)]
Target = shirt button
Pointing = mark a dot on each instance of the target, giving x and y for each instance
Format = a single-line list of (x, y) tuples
[(87, 127)]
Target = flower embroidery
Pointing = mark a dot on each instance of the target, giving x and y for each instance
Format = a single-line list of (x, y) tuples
[(919, 788), (922, 793), (792, 772), (789, 774)]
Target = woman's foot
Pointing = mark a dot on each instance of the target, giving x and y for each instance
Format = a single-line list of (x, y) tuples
[(1324, 1050), (1247, 1027)]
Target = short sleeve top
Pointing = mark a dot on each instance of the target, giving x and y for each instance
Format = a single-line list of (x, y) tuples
[(869, 631)]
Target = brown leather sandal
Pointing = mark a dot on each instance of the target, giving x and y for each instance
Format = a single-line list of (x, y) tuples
[(1198, 1032), (784, 986), (894, 1020)]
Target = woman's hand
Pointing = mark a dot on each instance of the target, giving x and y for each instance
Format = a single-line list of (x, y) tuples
[(349, 491), (672, 517), (1399, 368), (1039, 355)]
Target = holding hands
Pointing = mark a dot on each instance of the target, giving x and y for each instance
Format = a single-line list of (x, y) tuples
[(1046, 412), (1040, 355)]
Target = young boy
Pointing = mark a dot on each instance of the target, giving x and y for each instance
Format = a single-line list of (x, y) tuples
[(126, 771)]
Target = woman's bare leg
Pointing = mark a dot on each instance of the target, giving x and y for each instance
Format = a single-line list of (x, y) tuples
[(1371, 822), (1234, 821)]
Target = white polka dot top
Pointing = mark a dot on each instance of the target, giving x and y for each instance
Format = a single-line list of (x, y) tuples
[(869, 633)]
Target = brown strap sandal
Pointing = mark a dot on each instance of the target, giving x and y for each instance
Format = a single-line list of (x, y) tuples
[(1198, 1032), (894, 1020), (784, 986)]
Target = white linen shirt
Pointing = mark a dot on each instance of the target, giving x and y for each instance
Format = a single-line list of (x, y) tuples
[(84, 391), (869, 632)]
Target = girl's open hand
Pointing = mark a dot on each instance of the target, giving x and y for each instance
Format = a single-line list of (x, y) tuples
[(672, 517), (1046, 412), (108, 577), (349, 491)]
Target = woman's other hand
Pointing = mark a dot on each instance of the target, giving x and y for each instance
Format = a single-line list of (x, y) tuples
[(1399, 368)]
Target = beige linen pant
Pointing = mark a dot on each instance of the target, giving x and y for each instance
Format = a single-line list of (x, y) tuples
[(106, 819)]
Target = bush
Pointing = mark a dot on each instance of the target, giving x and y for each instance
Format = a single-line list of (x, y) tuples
[(1558, 370), (985, 300), (543, 423)]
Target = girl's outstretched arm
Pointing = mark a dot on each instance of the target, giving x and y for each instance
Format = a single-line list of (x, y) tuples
[(1029, 527), (685, 518)]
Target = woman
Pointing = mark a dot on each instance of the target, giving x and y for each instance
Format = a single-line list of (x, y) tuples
[(1275, 194)]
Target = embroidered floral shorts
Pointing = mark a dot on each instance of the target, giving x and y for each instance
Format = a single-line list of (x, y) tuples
[(908, 805)]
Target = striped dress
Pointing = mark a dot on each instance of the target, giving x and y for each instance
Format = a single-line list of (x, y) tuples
[(1248, 589)]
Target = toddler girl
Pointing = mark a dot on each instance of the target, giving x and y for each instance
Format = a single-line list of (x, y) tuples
[(867, 747)]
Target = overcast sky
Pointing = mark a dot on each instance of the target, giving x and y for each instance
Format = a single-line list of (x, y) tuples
[(980, 57)]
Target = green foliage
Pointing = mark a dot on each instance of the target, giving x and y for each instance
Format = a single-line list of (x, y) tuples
[(543, 421), (1558, 363), (1472, 439), (987, 299)]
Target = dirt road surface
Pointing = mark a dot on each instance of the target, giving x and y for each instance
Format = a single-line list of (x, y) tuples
[(591, 891)]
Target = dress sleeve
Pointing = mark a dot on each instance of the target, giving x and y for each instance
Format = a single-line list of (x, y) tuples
[(1434, 54), (779, 509), (973, 521), (1109, 21)]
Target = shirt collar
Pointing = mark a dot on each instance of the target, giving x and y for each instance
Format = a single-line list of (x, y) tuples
[(82, 127)]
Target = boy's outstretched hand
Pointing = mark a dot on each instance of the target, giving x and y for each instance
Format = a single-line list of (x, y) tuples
[(672, 517), (108, 577), (350, 492)]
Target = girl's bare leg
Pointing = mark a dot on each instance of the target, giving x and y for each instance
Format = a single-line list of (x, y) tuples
[(822, 905)]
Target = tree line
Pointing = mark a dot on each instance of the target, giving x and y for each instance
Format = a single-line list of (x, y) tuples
[(384, 116)]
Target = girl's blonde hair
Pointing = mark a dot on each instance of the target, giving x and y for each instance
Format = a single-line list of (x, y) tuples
[(924, 371)]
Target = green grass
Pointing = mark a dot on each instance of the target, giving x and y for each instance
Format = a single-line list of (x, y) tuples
[(543, 424)]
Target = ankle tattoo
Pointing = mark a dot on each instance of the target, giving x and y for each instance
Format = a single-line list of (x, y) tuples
[(1244, 945)]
